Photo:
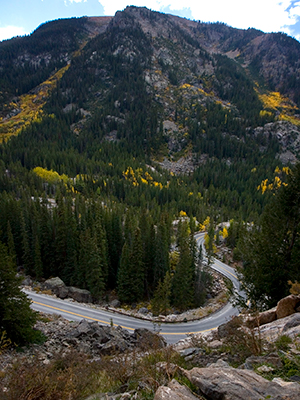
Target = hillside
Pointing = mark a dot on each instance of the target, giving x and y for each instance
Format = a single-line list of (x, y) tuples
[(120, 137), (84, 360)]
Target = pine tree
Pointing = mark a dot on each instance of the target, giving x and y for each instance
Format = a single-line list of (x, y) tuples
[(131, 272), (16, 316), (11, 243), (161, 299), (89, 271), (184, 275)]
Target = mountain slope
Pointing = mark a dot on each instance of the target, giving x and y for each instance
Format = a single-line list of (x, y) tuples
[(144, 88)]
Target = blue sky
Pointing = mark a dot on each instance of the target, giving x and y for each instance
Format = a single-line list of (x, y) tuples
[(19, 17)]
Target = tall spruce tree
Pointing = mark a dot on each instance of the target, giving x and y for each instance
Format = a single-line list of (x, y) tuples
[(184, 275), (16, 316), (131, 272)]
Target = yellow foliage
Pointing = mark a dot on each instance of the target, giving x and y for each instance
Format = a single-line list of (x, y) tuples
[(277, 170), (30, 107), (5, 342), (225, 232), (295, 287), (185, 86), (51, 176), (286, 170), (276, 102), (203, 226)]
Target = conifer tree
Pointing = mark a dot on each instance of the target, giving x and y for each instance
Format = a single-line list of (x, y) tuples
[(131, 271), (89, 271), (16, 316), (184, 275), (271, 251), (162, 296)]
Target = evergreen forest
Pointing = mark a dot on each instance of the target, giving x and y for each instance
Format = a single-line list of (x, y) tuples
[(89, 119)]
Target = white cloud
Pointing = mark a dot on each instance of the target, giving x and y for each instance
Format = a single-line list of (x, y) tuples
[(267, 15), (8, 32)]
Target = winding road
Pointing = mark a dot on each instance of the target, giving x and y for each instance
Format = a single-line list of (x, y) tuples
[(172, 332)]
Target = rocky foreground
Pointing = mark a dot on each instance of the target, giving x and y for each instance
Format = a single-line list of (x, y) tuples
[(247, 358)]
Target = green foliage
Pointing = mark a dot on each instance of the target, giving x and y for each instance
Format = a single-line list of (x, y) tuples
[(271, 251), (65, 193), (161, 299), (184, 274), (16, 316), (283, 342)]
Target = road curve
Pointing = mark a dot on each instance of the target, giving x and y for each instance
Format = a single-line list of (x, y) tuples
[(172, 332)]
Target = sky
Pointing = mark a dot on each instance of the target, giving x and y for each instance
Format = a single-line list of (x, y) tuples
[(20, 17)]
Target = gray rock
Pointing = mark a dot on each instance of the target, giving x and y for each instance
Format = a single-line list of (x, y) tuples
[(219, 364), (272, 359), (57, 286), (114, 346), (236, 384), (174, 391), (27, 281), (189, 351), (80, 295), (62, 292), (147, 339), (115, 303), (143, 310), (53, 283), (265, 368), (292, 323), (84, 327)]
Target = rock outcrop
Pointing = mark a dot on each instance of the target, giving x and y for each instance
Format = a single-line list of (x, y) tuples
[(287, 306), (174, 391), (93, 339), (58, 287), (236, 384)]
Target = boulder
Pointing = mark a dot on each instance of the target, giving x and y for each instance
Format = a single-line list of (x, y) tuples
[(147, 339), (80, 295), (115, 303), (27, 281), (174, 391), (236, 384), (143, 310), (272, 359), (114, 346), (263, 318), (57, 286), (287, 306)]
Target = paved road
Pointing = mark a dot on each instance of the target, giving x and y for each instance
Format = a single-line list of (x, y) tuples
[(172, 332)]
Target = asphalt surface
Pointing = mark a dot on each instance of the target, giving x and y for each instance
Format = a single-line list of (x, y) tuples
[(172, 332)]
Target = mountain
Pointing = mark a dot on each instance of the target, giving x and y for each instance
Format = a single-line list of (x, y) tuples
[(190, 83), (119, 134)]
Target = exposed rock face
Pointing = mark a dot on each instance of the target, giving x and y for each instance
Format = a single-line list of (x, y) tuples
[(287, 306), (174, 391), (235, 384)]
